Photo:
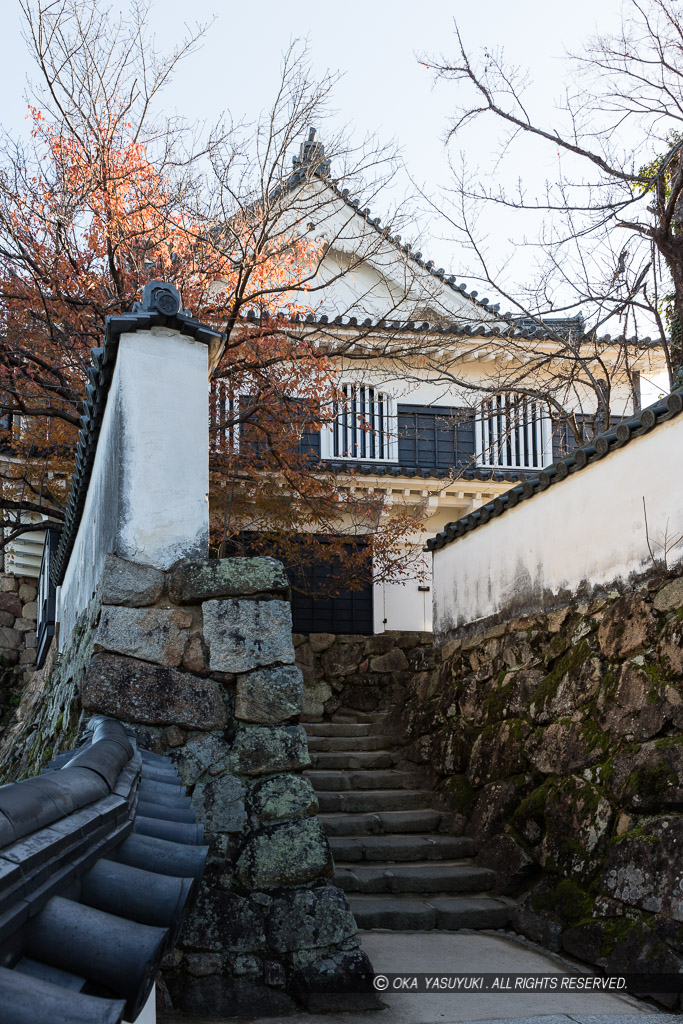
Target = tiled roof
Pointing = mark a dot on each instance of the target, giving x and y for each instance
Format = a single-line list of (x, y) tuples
[(596, 449), (515, 329), (99, 857), (419, 472)]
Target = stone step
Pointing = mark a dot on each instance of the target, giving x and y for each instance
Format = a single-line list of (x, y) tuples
[(445, 913), (419, 877), (352, 759), (324, 781), (380, 823), (343, 743), (349, 715), (400, 848), (340, 729), (376, 800)]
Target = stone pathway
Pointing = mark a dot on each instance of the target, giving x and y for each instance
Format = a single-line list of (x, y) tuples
[(398, 869)]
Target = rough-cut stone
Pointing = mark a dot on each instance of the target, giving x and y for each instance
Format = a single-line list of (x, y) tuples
[(222, 996), (284, 797), (626, 627), (30, 610), (341, 659), (269, 695), (646, 870), (287, 853), (219, 804), (320, 642), (650, 778), (243, 635), (224, 922), (10, 638), (7, 619), (130, 583), (670, 597), (578, 820), (193, 656), (565, 746), (511, 863), (309, 919), (670, 649), (196, 582), (199, 755), (152, 634), (315, 697), (392, 661), (627, 710), (27, 593), (498, 750), (260, 749), (493, 808), (338, 983), (151, 694), (9, 602), (199, 965)]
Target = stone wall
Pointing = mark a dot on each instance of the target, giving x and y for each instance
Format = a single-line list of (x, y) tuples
[(200, 661), (18, 614), (557, 741), (362, 673)]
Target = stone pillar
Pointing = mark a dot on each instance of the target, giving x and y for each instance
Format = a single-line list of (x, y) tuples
[(200, 661)]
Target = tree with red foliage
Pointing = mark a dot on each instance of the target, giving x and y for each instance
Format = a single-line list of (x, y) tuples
[(104, 199)]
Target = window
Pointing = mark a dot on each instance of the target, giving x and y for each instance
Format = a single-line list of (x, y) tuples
[(223, 417), (235, 418), (362, 427), (513, 432)]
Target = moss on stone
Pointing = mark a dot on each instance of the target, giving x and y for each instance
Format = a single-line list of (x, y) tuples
[(458, 793), (570, 662)]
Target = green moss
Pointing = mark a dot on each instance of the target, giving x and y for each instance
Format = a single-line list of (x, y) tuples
[(650, 781), (572, 902), (593, 735), (458, 794), (569, 663)]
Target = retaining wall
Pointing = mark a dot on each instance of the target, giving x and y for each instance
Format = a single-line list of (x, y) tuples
[(556, 740)]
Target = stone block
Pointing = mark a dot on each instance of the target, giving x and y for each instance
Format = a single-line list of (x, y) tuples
[(284, 797), (27, 657), (221, 996), (30, 610), (7, 619), (30, 640), (393, 661), (649, 779), (200, 965), (309, 919), (196, 582), (320, 642), (644, 869), (243, 635), (337, 984), (263, 749), (627, 627), (9, 602), (11, 639), (498, 751), (24, 625), (8, 584), (287, 853), (315, 696), (193, 657), (27, 593), (511, 863), (670, 597), (628, 709), (199, 755), (567, 746), (223, 922), (269, 695), (152, 634), (151, 694), (341, 659), (130, 583), (219, 804)]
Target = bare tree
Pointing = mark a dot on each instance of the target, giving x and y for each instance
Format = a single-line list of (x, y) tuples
[(610, 242)]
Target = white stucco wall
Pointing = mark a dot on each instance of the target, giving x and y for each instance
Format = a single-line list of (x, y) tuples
[(148, 494), (587, 530)]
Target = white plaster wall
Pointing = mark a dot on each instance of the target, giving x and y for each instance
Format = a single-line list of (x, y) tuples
[(148, 494), (588, 529)]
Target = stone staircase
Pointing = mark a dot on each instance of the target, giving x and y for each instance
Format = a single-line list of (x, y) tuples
[(383, 823)]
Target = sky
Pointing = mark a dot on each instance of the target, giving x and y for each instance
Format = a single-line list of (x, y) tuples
[(385, 91)]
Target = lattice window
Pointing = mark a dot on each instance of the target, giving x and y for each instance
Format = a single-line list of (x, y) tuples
[(362, 426), (223, 413), (513, 432)]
